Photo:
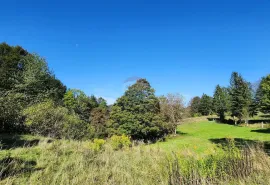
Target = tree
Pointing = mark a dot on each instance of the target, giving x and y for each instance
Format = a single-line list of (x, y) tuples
[(254, 108), (263, 94), (172, 108), (221, 102), (137, 113), (11, 66), (48, 119), (194, 106), (38, 82), (77, 101), (99, 117), (11, 106), (240, 92), (206, 105), (25, 79)]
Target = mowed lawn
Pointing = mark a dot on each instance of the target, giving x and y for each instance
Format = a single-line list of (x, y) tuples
[(201, 138)]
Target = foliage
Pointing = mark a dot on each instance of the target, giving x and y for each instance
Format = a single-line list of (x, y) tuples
[(11, 105), (221, 101), (137, 113), (99, 117), (263, 94), (11, 66), (241, 97), (38, 82), (206, 105), (77, 101), (47, 119), (69, 162), (119, 142), (25, 79), (172, 109), (194, 105), (98, 144)]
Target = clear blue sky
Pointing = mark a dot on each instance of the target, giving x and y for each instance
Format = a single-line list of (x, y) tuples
[(183, 46)]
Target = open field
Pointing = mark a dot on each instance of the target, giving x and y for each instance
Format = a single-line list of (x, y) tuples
[(203, 137), (184, 159)]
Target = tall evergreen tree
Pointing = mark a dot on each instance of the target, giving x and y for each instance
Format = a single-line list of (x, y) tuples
[(205, 107), (241, 97), (194, 106), (263, 94), (221, 102)]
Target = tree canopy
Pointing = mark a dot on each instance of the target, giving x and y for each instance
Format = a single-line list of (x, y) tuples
[(221, 101), (263, 94), (137, 113), (241, 97)]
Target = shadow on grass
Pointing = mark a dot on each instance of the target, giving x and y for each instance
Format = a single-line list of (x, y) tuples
[(265, 116), (10, 166), (232, 122), (16, 141), (181, 133), (265, 131), (243, 143)]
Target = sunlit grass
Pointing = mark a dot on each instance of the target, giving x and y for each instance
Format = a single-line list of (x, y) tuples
[(196, 137)]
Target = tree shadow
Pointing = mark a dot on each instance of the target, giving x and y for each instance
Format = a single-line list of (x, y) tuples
[(10, 166), (243, 143), (181, 133), (265, 116), (16, 141), (265, 131)]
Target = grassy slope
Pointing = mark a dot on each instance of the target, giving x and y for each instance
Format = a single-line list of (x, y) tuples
[(71, 162), (196, 136)]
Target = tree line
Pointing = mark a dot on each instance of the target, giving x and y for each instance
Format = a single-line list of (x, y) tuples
[(241, 100), (33, 100)]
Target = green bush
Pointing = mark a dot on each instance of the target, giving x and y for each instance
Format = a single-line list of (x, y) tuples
[(119, 142), (98, 144), (47, 119)]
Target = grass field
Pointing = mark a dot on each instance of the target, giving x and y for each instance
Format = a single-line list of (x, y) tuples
[(203, 137), (28, 159)]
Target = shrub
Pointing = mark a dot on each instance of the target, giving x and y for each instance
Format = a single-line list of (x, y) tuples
[(119, 142), (47, 119), (98, 144)]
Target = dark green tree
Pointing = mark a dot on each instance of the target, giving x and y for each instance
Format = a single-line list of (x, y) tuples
[(25, 79), (206, 105), (194, 106), (254, 107), (221, 102), (263, 94), (240, 96), (137, 113), (11, 66)]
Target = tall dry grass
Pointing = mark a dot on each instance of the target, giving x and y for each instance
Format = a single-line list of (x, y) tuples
[(70, 162)]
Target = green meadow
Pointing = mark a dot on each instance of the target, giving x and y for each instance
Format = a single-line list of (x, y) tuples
[(205, 137)]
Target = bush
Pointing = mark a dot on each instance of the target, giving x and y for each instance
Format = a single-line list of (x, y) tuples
[(119, 142), (98, 144), (47, 119)]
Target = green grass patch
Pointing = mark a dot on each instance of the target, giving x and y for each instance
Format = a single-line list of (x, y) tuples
[(203, 137)]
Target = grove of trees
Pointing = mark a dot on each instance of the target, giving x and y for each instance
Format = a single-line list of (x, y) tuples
[(240, 100), (33, 100)]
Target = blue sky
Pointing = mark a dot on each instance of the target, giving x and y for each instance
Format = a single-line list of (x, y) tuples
[(184, 46)]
